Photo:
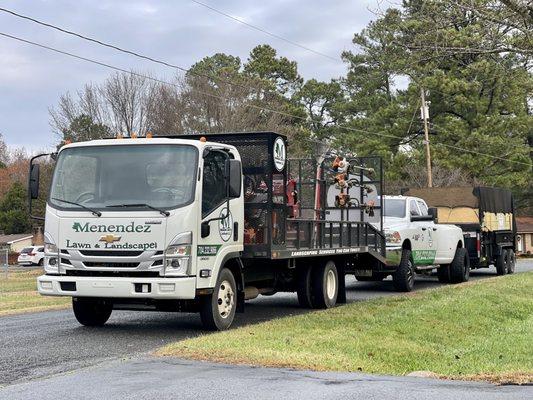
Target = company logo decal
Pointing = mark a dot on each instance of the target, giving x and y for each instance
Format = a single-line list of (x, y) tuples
[(131, 227), (280, 154), (225, 225)]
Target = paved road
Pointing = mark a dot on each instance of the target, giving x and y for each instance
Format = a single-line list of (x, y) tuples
[(43, 344), (149, 378)]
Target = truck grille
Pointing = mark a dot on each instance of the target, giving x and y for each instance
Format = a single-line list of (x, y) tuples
[(111, 253), (96, 264)]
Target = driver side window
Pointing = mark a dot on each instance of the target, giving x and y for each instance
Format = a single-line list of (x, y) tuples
[(213, 186), (413, 208)]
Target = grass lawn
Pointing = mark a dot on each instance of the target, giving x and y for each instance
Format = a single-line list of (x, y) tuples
[(18, 293), (478, 330)]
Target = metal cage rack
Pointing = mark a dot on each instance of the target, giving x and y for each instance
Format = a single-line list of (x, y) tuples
[(289, 212)]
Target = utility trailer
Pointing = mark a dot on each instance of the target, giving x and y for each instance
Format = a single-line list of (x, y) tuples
[(202, 223), (486, 216)]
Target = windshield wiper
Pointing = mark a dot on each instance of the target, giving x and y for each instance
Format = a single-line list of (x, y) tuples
[(95, 212), (163, 212)]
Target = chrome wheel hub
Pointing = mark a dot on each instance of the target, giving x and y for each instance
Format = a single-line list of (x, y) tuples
[(225, 299)]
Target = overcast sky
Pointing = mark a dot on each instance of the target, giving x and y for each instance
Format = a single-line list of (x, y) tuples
[(180, 32)]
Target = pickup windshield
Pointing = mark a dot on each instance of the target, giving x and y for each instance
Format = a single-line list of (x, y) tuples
[(394, 208), (161, 176)]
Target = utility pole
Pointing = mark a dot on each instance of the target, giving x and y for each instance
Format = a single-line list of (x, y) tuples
[(424, 111)]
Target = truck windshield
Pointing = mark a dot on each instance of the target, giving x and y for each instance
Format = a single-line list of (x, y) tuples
[(162, 176), (394, 208)]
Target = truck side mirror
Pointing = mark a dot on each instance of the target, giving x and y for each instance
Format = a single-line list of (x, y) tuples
[(234, 178), (34, 181), (433, 211), (205, 229)]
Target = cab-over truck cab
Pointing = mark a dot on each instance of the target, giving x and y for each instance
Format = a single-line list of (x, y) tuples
[(143, 222), (416, 243)]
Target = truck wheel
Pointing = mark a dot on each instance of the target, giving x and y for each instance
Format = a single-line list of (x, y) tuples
[(511, 261), (325, 285), (443, 273), (304, 287), (218, 309), (460, 266), (91, 312), (40, 263), (404, 277), (501, 263)]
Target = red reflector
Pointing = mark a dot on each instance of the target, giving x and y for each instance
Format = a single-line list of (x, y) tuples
[(32, 254)]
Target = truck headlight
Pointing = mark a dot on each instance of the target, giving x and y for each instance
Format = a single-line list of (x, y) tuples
[(51, 258), (177, 260), (393, 237)]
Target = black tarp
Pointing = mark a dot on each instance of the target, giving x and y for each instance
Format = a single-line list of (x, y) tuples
[(495, 200)]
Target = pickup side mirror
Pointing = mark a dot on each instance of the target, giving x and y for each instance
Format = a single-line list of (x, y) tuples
[(433, 211), (34, 181), (234, 178)]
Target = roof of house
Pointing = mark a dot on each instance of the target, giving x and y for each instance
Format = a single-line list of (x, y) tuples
[(524, 224), (10, 239)]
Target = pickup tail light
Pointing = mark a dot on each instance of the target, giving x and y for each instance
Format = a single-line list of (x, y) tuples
[(478, 246)]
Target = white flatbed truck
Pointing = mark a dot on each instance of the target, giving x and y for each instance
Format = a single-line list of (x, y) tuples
[(196, 224)]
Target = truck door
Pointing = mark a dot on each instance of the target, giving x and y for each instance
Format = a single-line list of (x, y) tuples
[(223, 237), (422, 240), (432, 232)]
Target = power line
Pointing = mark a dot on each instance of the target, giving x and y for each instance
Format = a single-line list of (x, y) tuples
[(122, 50), (178, 67), (305, 119), (257, 28)]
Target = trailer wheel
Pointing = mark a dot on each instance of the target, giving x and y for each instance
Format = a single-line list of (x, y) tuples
[(460, 266), (511, 261), (325, 285), (501, 263), (91, 312), (304, 287), (443, 273), (404, 277), (217, 310)]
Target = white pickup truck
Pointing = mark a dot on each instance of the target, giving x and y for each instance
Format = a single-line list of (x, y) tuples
[(417, 244)]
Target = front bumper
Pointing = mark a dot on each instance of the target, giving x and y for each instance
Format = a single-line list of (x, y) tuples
[(117, 287), (393, 255)]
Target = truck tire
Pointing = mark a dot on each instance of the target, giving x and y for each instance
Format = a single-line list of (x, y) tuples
[(511, 261), (325, 285), (460, 266), (501, 263), (304, 287), (217, 310), (404, 277), (443, 273), (90, 311)]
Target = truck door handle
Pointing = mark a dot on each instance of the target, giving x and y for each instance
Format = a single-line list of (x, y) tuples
[(424, 229), (434, 229)]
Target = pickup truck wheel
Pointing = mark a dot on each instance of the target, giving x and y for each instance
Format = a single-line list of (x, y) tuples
[(217, 310), (460, 266), (443, 273), (325, 285), (91, 312), (501, 263), (404, 277), (40, 263), (304, 287), (511, 261)]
